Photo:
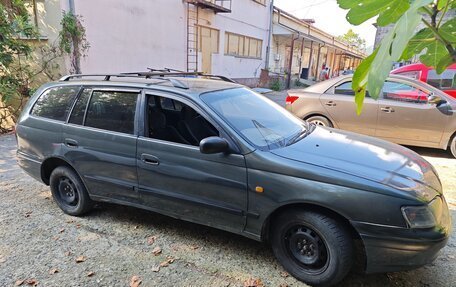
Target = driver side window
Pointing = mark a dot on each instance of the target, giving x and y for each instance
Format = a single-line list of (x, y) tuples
[(401, 92), (171, 120)]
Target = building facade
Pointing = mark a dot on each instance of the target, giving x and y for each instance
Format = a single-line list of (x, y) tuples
[(212, 36), (300, 49)]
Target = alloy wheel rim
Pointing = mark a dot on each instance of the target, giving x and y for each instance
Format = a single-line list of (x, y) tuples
[(67, 191), (307, 248), (318, 123)]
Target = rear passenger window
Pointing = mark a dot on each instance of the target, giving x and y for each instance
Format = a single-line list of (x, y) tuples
[(77, 116), (113, 111), (55, 103), (344, 89)]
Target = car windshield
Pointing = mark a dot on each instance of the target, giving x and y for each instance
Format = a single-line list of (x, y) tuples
[(256, 118)]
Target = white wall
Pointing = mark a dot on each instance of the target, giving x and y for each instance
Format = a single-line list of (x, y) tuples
[(133, 35), (136, 34)]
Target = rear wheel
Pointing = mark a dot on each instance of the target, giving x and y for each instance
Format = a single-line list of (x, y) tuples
[(452, 147), (320, 121), (312, 247), (69, 191)]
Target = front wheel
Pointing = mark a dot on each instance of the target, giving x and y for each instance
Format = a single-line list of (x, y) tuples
[(452, 146), (312, 247), (69, 191)]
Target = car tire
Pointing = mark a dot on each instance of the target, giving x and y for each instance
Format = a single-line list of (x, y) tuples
[(69, 191), (319, 121), (452, 146), (312, 247)]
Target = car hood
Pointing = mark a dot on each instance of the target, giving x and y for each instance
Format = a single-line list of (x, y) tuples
[(366, 157)]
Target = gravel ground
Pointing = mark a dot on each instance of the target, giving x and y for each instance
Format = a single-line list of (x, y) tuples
[(39, 242)]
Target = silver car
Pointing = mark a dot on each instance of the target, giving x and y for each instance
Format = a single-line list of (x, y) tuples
[(408, 112)]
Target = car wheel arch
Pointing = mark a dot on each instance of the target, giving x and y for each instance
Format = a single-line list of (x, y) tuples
[(287, 207), (51, 163)]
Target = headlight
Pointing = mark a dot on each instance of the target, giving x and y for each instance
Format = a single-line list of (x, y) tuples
[(418, 216)]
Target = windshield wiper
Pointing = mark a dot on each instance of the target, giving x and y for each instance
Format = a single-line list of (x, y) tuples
[(298, 136)]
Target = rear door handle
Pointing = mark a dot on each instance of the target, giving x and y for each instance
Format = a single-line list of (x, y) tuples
[(387, 110), (330, 104), (71, 143), (149, 159)]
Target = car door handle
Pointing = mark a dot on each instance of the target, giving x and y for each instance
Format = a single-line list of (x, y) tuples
[(387, 110), (71, 143), (330, 104), (149, 159)]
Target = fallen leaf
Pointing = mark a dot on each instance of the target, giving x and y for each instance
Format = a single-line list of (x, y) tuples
[(283, 285), (253, 283), (155, 268), (68, 253), (28, 213), (53, 271), (62, 230), (78, 225), (157, 250), (135, 281), (169, 260), (31, 282), (81, 259), (19, 282), (151, 240), (90, 274), (284, 274), (194, 247), (70, 221), (55, 238)]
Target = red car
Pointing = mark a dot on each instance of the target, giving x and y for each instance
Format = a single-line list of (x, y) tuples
[(445, 81)]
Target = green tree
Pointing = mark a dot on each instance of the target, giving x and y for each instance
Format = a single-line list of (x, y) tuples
[(14, 72), (353, 39), (435, 43)]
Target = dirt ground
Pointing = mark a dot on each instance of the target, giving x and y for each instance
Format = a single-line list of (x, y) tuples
[(112, 244)]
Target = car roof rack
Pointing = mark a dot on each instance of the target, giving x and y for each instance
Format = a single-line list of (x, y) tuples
[(154, 74)]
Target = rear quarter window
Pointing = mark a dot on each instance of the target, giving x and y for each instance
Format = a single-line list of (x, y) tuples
[(55, 103)]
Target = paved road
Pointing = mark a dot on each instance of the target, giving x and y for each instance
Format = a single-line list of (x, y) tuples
[(36, 238)]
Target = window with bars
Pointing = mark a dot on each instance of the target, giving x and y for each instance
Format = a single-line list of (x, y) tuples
[(242, 46)]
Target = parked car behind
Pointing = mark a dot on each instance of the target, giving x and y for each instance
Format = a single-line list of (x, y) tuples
[(219, 154), (408, 111), (445, 81)]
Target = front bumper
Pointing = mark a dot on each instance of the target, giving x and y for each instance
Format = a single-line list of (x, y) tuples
[(390, 248)]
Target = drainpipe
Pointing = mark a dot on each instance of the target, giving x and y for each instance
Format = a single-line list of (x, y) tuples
[(268, 47)]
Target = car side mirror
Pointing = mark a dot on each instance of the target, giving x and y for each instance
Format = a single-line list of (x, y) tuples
[(213, 145), (435, 100)]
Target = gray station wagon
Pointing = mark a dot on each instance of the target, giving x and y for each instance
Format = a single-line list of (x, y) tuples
[(210, 151)]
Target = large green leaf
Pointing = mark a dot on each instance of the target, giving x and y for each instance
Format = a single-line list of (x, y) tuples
[(448, 30), (435, 52), (388, 11), (359, 80), (419, 42), (441, 4)]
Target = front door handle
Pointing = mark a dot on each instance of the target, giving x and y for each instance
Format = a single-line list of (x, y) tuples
[(330, 104), (71, 143), (387, 110), (149, 159)]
